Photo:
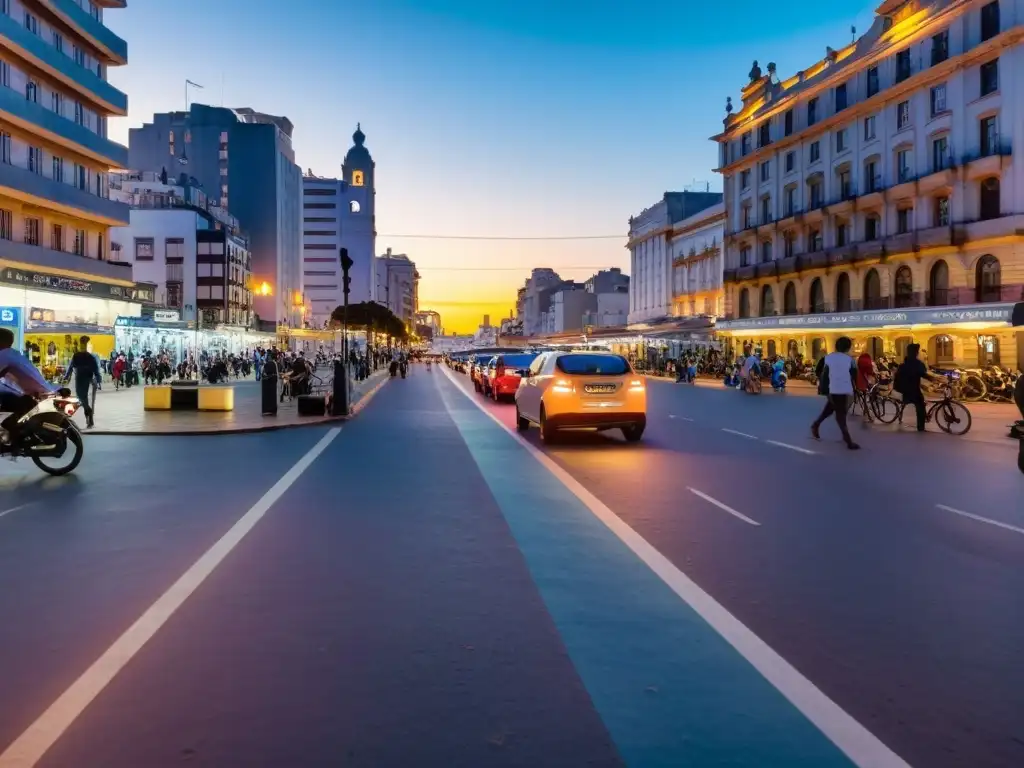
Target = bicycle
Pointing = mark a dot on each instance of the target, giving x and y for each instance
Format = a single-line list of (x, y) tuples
[(948, 413), (875, 403)]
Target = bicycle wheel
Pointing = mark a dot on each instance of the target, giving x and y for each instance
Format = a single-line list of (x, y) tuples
[(885, 409), (952, 417)]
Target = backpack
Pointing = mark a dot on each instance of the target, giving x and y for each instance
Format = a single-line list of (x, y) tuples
[(899, 380), (821, 371)]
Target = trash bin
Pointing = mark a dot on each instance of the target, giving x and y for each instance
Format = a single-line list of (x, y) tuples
[(268, 389), (339, 395)]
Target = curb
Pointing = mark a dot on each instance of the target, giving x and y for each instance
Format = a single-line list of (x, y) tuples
[(271, 427)]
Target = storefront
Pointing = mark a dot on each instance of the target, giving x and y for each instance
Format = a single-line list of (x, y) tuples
[(50, 313), (162, 332), (963, 336)]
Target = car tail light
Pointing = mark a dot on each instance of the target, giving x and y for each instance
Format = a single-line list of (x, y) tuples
[(637, 384), (562, 385)]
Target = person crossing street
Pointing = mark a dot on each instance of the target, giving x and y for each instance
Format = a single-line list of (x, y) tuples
[(86, 370)]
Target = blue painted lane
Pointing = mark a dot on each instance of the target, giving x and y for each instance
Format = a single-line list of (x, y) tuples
[(670, 689)]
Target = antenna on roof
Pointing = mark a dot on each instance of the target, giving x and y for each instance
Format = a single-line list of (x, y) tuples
[(853, 34)]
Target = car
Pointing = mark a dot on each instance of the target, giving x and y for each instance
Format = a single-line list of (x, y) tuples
[(476, 364), (582, 390), (503, 373)]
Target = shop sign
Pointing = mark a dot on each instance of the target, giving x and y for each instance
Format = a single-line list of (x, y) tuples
[(992, 314), (134, 322), (144, 293), (60, 284), (166, 315), (10, 316)]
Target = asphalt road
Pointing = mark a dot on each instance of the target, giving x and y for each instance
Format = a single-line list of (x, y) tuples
[(422, 588)]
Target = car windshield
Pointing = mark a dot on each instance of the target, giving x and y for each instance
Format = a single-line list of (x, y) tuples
[(518, 361), (593, 365), (482, 359)]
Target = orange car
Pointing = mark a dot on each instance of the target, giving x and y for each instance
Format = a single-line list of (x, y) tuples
[(476, 370), (503, 373)]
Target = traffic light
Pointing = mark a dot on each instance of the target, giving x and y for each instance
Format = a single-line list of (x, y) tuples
[(346, 265), (346, 282)]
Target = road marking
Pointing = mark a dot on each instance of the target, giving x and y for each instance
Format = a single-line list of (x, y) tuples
[(15, 509), (723, 507), (791, 447), (681, 418), (29, 748), (741, 434), (981, 519), (856, 741)]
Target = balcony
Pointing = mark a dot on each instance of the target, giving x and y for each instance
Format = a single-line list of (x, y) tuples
[(933, 237), (38, 120), (872, 196), (38, 256), (75, 16), (842, 255), (988, 159), (941, 177), (905, 186), (34, 189), (61, 66)]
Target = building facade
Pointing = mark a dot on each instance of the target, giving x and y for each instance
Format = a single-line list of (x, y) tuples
[(339, 213), (650, 255), (534, 299), (56, 276), (696, 251), (427, 324), (877, 194), (189, 248), (245, 161), (398, 285)]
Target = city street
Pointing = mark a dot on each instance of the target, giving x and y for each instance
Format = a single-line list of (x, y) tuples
[(421, 586)]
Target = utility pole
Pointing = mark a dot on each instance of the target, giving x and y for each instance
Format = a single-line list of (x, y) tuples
[(341, 372)]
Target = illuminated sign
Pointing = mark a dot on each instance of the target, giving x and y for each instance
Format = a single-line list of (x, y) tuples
[(990, 313)]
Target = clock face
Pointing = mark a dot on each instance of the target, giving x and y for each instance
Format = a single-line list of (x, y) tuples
[(357, 178)]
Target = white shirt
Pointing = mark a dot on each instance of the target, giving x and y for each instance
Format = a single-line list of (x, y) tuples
[(839, 365), (19, 376)]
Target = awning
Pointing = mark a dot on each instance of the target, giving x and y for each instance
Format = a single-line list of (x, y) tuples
[(1017, 317)]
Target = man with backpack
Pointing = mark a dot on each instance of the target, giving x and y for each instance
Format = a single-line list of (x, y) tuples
[(836, 375)]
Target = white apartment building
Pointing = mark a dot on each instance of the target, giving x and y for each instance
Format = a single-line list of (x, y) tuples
[(876, 194), (650, 233), (398, 285), (696, 250)]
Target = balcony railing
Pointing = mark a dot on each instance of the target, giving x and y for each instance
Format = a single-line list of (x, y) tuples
[(938, 297), (876, 302)]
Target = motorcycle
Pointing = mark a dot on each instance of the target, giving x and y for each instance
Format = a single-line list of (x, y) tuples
[(779, 378), (47, 432)]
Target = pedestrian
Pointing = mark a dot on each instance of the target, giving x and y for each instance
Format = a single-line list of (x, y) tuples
[(86, 372), (867, 375), (836, 375), (908, 382)]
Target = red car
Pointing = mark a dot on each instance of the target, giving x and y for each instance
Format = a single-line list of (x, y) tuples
[(500, 378)]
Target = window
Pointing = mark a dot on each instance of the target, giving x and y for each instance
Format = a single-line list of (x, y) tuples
[(746, 217), (790, 201), (990, 21), (840, 97), (745, 144), (872, 179), (766, 209), (35, 160), (57, 237), (202, 292), (5, 147), (217, 270), (938, 284), (843, 292), (766, 251), (80, 241), (869, 128), (744, 255), (764, 135), (816, 194), (815, 151), (789, 299), (941, 211), (989, 73), (217, 292), (988, 279), (58, 41), (788, 245), (902, 65), (845, 184), (871, 228), (842, 143), (872, 81), (31, 23), (790, 161), (872, 290), (58, 168), (903, 170), (814, 241), (203, 269), (990, 202), (57, 102), (766, 170), (767, 301), (989, 136), (940, 47), (174, 250), (938, 99), (817, 296), (79, 113), (5, 73), (33, 228), (940, 154), (788, 121), (6, 224), (812, 111), (78, 55), (101, 252), (32, 92), (904, 287), (744, 304), (745, 179), (903, 220), (81, 177), (842, 234), (143, 248), (902, 115)]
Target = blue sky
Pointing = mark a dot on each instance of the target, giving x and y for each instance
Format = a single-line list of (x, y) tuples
[(519, 118)]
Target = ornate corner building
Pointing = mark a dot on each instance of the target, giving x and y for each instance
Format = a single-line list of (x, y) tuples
[(876, 193)]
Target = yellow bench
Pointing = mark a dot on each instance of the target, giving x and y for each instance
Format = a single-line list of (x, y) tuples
[(166, 398), (157, 398), (216, 398)]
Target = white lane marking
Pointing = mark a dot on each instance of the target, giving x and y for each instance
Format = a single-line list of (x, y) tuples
[(981, 519), (681, 418), (792, 447), (29, 748), (723, 507), (741, 434), (853, 739), (15, 509)]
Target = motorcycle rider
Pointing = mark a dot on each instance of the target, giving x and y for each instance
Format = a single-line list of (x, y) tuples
[(20, 382)]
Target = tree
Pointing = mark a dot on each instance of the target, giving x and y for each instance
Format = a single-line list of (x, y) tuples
[(371, 316)]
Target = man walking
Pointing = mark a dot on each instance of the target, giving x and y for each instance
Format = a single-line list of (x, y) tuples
[(86, 372), (908, 382), (836, 374)]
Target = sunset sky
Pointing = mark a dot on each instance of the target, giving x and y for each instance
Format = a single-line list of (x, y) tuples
[(486, 119)]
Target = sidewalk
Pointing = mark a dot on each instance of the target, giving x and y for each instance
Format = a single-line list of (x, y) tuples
[(121, 413)]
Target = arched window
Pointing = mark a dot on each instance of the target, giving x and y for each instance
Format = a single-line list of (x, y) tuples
[(818, 348), (789, 299), (353, 206), (767, 301), (771, 348), (817, 296), (745, 303), (940, 350), (938, 285), (988, 351), (872, 290), (990, 198), (988, 279), (904, 289), (843, 292)]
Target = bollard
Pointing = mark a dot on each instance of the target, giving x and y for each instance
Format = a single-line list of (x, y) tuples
[(339, 396)]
